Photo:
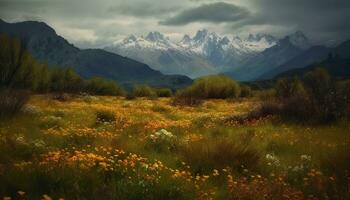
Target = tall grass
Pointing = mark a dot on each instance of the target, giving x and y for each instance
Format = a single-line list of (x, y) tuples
[(219, 153)]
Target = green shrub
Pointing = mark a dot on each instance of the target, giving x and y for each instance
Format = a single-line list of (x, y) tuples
[(144, 91), (100, 86), (215, 87), (286, 88), (105, 116), (163, 92), (18, 68), (162, 140), (315, 98), (61, 97), (186, 98), (12, 101), (65, 80), (246, 91), (130, 96), (343, 98), (210, 87), (266, 95)]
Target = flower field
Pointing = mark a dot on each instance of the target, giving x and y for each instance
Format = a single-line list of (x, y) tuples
[(113, 148)]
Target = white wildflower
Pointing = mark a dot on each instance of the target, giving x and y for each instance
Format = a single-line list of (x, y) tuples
[(305, 157)]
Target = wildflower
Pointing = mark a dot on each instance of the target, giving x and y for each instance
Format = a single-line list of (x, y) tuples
[(46, 197), (215, 172), (272, 160), (39, 143), (305, 157)]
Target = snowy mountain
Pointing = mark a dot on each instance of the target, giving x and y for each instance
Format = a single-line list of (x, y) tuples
[(162, 54), (271, 58), (223, 52), (203, 54)]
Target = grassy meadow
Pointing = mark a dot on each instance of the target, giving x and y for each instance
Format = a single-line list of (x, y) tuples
[(100, 147)]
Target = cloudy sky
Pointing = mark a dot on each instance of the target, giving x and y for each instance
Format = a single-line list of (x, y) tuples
[(95, 23)]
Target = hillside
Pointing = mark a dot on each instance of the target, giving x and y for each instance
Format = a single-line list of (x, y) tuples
[(338, 68), (335, 60), (46, 46)]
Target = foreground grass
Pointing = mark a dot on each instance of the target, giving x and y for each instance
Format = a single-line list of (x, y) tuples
[(111, 148)]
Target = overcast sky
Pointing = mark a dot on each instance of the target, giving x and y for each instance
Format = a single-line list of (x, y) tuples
[(95, 23)]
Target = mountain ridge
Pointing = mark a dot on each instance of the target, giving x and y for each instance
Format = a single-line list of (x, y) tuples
[(46, 46), (203, 54)]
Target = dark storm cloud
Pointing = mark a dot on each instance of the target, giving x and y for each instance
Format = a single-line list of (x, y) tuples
[(101, 22), (215, 13), (143, 9), (320, 18)]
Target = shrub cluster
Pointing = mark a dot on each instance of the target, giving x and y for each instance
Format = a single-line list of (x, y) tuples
[(316, 97), (147, 91), (210, 87), (246, 91), (12, 101), (144, 91), (105, 116)]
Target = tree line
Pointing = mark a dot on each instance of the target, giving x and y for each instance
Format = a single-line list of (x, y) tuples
[(20, 71)]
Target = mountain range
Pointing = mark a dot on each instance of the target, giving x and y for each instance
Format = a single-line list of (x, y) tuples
[(257, 57), (337, 62), (48, 47), (203, 54)]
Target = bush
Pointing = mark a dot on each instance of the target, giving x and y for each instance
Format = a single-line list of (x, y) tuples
[(65, 80), (210, 87), (186, 98), (100, 86), (266, 95), (18, 68), (162, 140), (215, 87), (105, 116), (130, 96), (61, 97), (316, 98), (246, 91), (164, 92), (343, 98), (144, 91), (286, 88), (12, 101)]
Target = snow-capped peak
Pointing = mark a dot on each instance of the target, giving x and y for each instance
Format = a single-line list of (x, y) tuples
[(299, 39), (200, 35), (155, 36), (225, 41), (130, 38), (186, 40), (260, 37)]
